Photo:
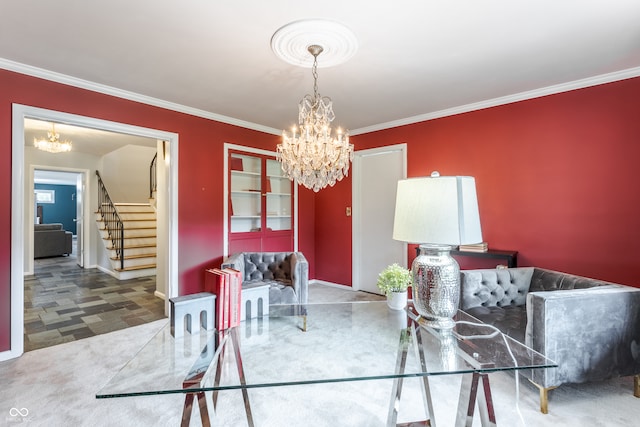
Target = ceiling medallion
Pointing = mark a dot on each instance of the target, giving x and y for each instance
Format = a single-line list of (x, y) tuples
[(291, 42)]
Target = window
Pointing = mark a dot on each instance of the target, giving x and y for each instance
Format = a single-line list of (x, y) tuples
[(45, 196)]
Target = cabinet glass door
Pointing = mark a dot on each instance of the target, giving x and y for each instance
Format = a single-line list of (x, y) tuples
[(261, 204), (246, 189), (278, 194)]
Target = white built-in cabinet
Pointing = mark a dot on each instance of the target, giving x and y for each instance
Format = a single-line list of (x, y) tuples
[(260, 204)]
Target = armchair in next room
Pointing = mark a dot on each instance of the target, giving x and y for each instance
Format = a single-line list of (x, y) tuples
[(286, 273)]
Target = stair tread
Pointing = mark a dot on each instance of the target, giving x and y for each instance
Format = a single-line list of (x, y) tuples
[(134, 246), (137, 267), (130, 204), (132, 228), (125, 221), (146, 236), (140, 219), (137, 256)]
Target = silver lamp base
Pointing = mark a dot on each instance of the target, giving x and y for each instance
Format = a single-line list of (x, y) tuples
[(436, 285)]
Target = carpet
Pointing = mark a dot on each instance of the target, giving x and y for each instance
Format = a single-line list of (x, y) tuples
[(56, 386)]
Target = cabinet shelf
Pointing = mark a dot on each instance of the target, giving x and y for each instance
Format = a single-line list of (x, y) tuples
[(246, 192), (261, 200), (237, 172)]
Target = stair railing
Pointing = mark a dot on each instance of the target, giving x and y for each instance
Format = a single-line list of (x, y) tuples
[(112, 222), (153, 179)]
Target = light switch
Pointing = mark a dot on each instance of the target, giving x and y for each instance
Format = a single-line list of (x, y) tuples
[(348, 211)]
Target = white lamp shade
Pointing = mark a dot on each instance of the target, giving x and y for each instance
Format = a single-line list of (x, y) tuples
[(439, 210)]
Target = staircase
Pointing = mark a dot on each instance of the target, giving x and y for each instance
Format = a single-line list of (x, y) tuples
[(128, 231), (139, 251)]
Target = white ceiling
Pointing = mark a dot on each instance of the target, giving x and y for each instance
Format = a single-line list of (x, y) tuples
[(84, 140), (417, 59), (54, 177)]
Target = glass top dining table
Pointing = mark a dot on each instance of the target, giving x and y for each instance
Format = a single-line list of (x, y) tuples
[(353, 341)]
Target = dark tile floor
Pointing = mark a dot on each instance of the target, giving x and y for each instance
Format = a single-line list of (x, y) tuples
[(64, 302)]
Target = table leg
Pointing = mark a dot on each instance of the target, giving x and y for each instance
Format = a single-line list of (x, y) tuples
[(485, 403), (396, 394), (245, 392), (188, 409), (219, 363), (204, 410), (469, 394), (233, 333), (426, 390)]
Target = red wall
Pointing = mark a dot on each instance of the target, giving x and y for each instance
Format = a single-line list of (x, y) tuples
[(557, 177), (333, 233), (200, 173)]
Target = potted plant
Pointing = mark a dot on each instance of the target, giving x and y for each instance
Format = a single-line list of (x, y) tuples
[(394, 281)]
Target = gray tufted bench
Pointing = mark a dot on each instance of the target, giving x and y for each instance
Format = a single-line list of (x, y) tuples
[(286, 273), (590, 328)]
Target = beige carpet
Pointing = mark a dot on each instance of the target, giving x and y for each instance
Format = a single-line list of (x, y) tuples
[(56, 386)]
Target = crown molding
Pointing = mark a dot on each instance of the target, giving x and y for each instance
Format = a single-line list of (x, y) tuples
[(522, 96), (131, 96)]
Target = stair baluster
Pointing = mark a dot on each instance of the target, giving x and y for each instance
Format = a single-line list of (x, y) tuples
[(112, 221), (153, 180)]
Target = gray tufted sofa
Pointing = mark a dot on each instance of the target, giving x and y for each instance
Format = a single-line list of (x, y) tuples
[(287, 274), (590, 328)]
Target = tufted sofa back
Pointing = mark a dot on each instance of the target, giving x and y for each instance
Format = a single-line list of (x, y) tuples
[(494, 288), (268, 266), (549, 280)]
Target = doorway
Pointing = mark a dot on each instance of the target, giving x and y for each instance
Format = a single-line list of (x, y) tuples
[(375, 176), (22, 214), (67, 207)]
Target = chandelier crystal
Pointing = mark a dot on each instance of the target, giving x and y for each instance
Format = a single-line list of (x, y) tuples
[(52, 144), (310, 155)]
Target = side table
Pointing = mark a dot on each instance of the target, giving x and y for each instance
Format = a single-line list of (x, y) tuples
[(510, 256)]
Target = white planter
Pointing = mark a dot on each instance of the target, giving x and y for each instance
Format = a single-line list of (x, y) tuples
[(397, 300)]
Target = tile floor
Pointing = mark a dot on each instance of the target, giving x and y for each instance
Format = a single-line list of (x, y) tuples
[(64, 303)]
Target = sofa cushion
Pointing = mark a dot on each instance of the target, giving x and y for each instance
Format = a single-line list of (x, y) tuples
[(279, 292), (511, 320)]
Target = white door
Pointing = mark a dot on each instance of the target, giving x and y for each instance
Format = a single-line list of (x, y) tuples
[(375, 176), (79, 219)]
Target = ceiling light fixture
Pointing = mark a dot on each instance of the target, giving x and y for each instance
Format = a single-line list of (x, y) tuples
[(311, 156), (52, 144)]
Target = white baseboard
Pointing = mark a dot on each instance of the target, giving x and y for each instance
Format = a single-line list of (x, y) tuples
[(9, 354), (107, 271), (330, 284), (160, 295)]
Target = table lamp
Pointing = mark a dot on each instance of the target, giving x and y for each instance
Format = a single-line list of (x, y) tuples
[(437, 212)]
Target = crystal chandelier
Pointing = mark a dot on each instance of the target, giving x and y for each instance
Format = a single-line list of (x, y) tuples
[(310, 155), (52, 144)]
